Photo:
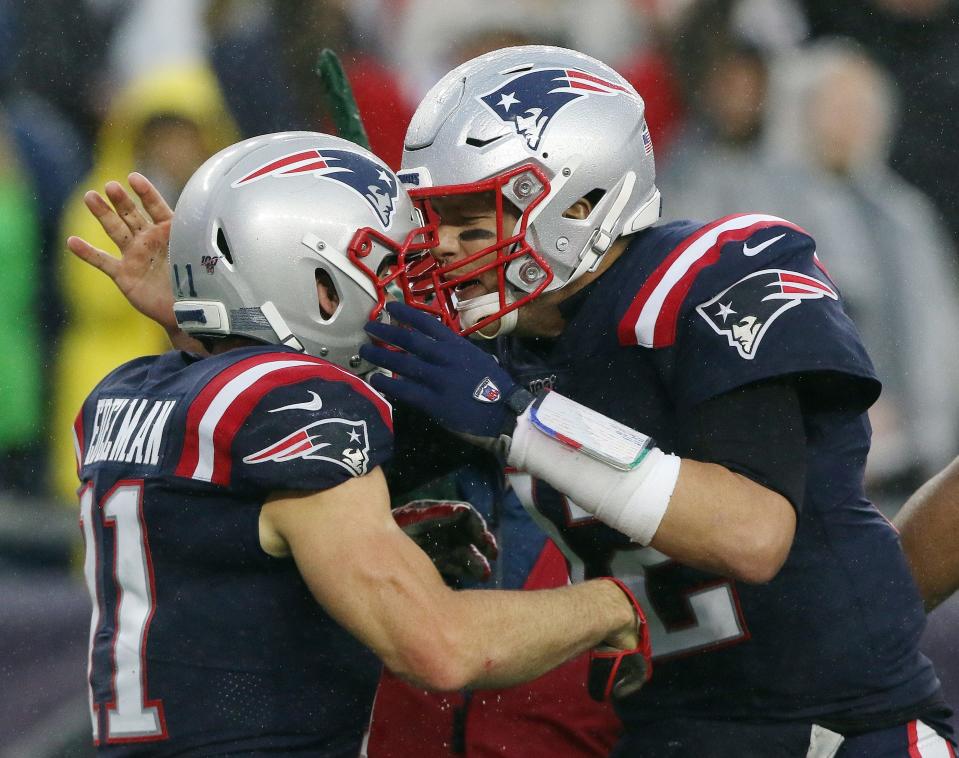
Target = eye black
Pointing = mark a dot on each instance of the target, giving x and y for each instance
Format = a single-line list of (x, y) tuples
[(470, 235)]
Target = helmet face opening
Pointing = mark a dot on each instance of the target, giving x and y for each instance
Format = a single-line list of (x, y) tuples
[(436, 286), (389, 278)]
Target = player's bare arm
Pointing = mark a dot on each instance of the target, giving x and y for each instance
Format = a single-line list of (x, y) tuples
[(381, 587), (929, 525), (141, 272), (724, 522)]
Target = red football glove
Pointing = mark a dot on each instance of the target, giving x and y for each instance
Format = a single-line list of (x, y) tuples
[(453, 534), (614, 672)]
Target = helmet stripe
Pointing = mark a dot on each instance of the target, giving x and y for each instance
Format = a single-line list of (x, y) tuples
[(572, 74), (278, 164)]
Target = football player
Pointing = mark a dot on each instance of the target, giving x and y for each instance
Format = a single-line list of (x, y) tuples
[(706, 435), (244, 569)]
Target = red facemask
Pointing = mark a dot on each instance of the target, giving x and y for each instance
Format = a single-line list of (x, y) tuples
[(430, 285)]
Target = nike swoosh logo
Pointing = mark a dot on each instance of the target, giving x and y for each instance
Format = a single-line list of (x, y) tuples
[(750, 251), (311, 405)]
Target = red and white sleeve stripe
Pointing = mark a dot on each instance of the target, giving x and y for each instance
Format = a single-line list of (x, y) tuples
[(925, 742), (78, 440), (220, 409), (651, 318)]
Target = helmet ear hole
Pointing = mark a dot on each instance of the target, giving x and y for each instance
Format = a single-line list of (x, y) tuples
[(327, 297), (583, 208)]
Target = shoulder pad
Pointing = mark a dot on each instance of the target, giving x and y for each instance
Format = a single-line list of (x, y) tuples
[(738, 244), (265, 406)]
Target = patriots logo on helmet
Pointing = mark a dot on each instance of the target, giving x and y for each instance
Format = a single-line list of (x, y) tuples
[(344, 443), (530, 100), (367, 178), (744, 312)]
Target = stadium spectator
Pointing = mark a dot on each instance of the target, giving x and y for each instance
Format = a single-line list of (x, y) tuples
[(431, 37), (165, 125), (265, 55), (819, 156), (918, 42), (50, 65)]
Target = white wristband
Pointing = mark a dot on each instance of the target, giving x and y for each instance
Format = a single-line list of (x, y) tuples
[(631, 501)]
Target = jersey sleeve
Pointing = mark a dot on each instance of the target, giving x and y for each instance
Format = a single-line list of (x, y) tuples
[(288, 425), (746, 299)]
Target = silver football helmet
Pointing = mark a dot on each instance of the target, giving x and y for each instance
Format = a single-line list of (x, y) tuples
[(261, 222), (541, 127)]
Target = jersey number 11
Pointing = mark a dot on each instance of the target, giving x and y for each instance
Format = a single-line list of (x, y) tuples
[(130, 717)]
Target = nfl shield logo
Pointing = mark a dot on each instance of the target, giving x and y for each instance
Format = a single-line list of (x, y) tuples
[(486, 391)]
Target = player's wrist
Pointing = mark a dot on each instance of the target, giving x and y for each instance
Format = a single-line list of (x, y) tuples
[(623, 663), (517, 401), (611, 471), (629, 616)]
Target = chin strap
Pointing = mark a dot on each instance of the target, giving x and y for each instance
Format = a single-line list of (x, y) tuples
[(474, 310)]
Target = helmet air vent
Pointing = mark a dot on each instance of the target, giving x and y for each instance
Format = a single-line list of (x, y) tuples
[(517, 69), (476, 142), (222, 246)]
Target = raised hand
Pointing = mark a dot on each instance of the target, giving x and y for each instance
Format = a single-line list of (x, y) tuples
[(142, 271)]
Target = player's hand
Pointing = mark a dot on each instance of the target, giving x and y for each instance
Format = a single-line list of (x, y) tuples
[(623, 665), (142, 272), (441, 374), (453, 534)]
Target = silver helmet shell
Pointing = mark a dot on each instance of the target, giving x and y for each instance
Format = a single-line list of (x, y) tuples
[(564, 112), (259, 221)]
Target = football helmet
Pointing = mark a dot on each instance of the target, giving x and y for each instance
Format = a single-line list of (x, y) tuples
[(540, 128), (262, 222)]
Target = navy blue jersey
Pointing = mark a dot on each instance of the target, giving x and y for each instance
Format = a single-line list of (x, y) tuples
[(201, 643), (687, 313)]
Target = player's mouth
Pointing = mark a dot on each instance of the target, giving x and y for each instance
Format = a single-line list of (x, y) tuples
[(468, 289)]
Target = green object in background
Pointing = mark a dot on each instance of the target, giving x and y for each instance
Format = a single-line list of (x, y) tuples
[(20, 369), (339, 99)]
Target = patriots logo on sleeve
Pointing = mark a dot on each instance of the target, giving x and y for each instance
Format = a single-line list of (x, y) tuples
[(336, 440), (362, 175), (744, 312), (531, 99)]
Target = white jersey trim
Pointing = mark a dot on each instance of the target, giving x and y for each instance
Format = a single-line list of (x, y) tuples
[(221, 404), (646, 322)]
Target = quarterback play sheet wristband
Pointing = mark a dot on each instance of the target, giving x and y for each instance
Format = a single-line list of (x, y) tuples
[(590, 432), (620, 477)]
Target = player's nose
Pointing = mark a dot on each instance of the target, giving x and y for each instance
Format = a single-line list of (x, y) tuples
[(448, 248)]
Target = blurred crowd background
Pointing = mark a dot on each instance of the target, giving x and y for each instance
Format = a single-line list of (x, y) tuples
[(838, 116)]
